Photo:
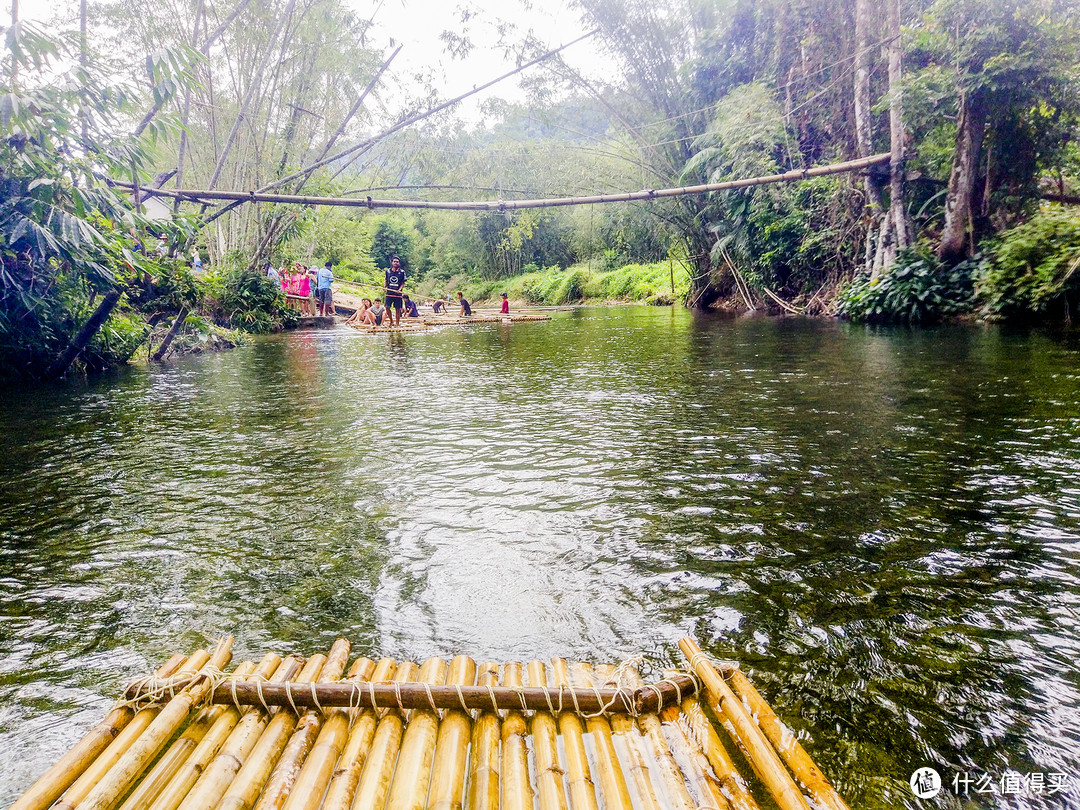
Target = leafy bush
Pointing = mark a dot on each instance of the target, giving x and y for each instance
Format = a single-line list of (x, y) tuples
[(1034, 268), (918, 289), (248, 300)]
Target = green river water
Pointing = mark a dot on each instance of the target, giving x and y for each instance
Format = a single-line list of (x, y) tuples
[(881, 526)]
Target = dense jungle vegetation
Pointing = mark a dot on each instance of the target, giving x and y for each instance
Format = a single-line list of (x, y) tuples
[(977, 100)]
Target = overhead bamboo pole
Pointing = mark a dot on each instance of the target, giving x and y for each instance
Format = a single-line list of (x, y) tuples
[(413, 773), (319, 767), (626, 733), (770, 769), (51, 784), (581, 788), (124, 740), (379, 769), (704, 738), (219, 773), (143, 751), (339, 794), (250, 778), (303, 737), (484, 761), (549, 774), (517, 790), (608, 769), (451, 763)]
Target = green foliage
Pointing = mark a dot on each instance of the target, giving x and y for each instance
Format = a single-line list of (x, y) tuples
[(246, 299), (918, 290), (1033, 270), (391, 236)]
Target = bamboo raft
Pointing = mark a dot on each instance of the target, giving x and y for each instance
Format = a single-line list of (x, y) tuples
[(302, 734), (425, 322)]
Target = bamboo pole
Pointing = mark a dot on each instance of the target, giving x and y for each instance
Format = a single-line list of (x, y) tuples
[(517, 790), (143, 751), (762, 757), (413, 774), (609, 770), (695, 767), (181, 749), (51, 784), (124, 740), (705, 739), (248, 782), (549, 775), (343, 783), (581, 788), (303, 737), (484, 761), (379, 769), (451, 762), (215, 780), (315, 775), (626, 733)]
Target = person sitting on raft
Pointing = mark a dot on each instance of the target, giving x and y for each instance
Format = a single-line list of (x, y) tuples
[(410, 307), (358, 316), (466, 310), (374, 316), (505, 305)]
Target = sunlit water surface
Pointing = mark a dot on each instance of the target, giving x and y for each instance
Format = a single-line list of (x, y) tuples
[(883, 527)]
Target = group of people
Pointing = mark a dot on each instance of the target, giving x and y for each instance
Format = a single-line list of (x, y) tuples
[(297, 282)]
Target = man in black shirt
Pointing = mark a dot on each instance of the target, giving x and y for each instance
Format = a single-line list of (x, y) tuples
[(395, 282)]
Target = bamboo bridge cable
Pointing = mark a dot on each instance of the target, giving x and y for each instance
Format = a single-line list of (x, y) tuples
[(579, 777), (311, 784), (692, 761), (177, 755), (704, 738), (770, 769), (248, 782), (136, 759), (204, 195), (51, 784), (379, 768), (549, 774), (451, 765), (281, 781), (517, 790), (785, 742), (608, 769), (483, 790), (346, 776), (217, 777), (626, 733), (413, 773), (123, 741)]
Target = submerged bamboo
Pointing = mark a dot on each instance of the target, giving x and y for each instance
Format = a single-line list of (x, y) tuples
[(764, 759), (484, 761), (582, 790), (703, 736), (451, 762), (549, 775), (626, 733), (379, 768), (608, 769), (51, 784), (346, 776), (694, 765), (679, 797), (413, 774)]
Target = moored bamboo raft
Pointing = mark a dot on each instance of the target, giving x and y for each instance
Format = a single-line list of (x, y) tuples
[(447, 735)]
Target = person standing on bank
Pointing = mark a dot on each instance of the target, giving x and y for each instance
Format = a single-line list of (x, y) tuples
[(324, 296), (395, 283)]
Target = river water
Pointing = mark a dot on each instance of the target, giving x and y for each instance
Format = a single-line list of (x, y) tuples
[(882, 526)]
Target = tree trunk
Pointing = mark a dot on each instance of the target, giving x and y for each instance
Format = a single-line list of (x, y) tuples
[(173, 332), (969, 138), (62, 363), (864, 125), (897, 208)]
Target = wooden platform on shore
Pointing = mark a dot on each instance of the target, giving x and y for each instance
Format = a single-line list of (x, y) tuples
[(304, 733)]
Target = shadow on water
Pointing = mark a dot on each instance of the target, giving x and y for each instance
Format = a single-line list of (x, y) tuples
[(882, 526)]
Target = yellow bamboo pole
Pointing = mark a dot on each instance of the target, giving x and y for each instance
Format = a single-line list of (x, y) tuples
[(124, 740), (484, 763), (248, 782), (409, 789), (314, 777), (696, 768), (219, 774), (609, 770), (451, 763), (582, 790), (303, 737), (549, 775), (181, 749), (763, 758), (379, 769), (702, 734), (343, 783), (626, 733), (51, 784), (785, 742)]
